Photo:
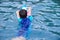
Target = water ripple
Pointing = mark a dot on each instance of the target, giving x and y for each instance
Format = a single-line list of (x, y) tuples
[(45, 24)]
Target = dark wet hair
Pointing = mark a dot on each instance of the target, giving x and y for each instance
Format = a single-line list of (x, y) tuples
[(23, 13)]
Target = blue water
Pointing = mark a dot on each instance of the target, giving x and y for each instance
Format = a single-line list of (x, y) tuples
[(45, 24)]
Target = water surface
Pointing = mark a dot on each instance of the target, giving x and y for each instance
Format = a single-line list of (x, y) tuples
[(45, 24)]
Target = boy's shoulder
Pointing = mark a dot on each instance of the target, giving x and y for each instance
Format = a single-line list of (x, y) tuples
[(29, 17)]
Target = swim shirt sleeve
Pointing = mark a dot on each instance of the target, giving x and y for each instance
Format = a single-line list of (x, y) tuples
[(19, 19), (31, 18)]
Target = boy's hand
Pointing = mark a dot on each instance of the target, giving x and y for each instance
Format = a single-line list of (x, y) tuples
[(28, 7), (17, 11), (29, 11)]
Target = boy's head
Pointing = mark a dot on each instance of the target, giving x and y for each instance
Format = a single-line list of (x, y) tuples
[(23, 13)]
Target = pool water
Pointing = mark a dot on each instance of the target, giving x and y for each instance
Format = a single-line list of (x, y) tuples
[(45, 24)]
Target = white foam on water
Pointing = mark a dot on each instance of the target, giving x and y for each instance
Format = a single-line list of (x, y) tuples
[(19, 38), (33, 0)]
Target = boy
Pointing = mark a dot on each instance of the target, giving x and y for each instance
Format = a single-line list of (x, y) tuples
[(24, 18)]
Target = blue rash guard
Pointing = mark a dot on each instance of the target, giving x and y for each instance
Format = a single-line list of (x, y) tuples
[(24, 25)]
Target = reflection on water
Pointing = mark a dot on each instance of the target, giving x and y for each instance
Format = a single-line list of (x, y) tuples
[(56, 1), (46, 23)]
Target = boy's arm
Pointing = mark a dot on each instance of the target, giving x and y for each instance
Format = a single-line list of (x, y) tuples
[(29, 11), (17, 13)]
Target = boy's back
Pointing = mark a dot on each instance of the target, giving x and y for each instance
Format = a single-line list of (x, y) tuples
[(25, 24)]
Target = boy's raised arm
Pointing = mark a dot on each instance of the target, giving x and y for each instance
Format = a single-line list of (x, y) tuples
[(17, 13), (29, 11)]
